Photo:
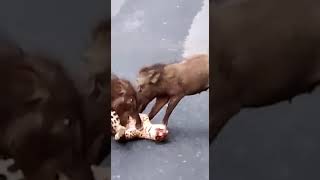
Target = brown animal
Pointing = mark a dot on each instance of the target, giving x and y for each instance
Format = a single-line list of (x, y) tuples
[(98, 58), (98, 63), (264, 52), (96, 102), (41, 117), (124, 100), (169, 83), (75, 146)]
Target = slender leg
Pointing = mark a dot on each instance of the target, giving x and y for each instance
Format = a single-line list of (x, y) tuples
[(225, 102), (221, 114), (160, 102), (172, 104), (138, 123), (97, 151), (143, 103)]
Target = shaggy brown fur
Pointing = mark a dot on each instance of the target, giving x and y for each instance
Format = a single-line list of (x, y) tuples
[(98, 58), (263, 52), (41, 118), (124, 100), (169, 83), (98, 62)]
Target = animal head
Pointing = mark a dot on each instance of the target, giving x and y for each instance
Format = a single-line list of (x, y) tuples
[(39, 107), (148, 78), (124, 98), (97, 55), (125, 94)]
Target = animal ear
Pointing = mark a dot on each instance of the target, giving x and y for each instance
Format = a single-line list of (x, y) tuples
[(155, 78), (120, 88), (151, 73), (28, 88), (122, 92), (139, 81), (117, 102)]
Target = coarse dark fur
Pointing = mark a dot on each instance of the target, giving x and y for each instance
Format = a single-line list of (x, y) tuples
[(41, 118), (124, 100), (262, 52), (169, 83), (96, 103)]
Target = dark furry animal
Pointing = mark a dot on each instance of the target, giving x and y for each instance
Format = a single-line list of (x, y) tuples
[(263, 52), (124, 100), (98, 58), (169, 83), (96, 103), (123, 95), (41, 118)]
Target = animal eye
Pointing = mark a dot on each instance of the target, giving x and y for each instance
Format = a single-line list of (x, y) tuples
[(66, 122)]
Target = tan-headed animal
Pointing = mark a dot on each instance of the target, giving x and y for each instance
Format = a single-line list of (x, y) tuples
[(124, 100), (169, 83)]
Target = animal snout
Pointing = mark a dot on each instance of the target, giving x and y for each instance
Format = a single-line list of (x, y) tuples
[(139, 89)]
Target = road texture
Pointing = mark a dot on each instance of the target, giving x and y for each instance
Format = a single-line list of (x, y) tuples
[(279, 142), (145, 32)]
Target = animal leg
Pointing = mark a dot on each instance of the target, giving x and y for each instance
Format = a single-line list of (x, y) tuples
[(160, 102), (221, 115), (120, 132), (116, 126), (143, 103), (131, 131), (224, 103), (155, 132), (97, 152), (132, 134), (172, 104)]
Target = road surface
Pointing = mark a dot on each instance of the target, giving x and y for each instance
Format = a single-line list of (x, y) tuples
[(145, 32)]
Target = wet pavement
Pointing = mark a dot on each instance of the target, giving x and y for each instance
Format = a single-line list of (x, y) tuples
[(142, 34)]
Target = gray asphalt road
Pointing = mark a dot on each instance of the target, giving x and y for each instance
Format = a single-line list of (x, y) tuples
[(279, 142), (146, 32)]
